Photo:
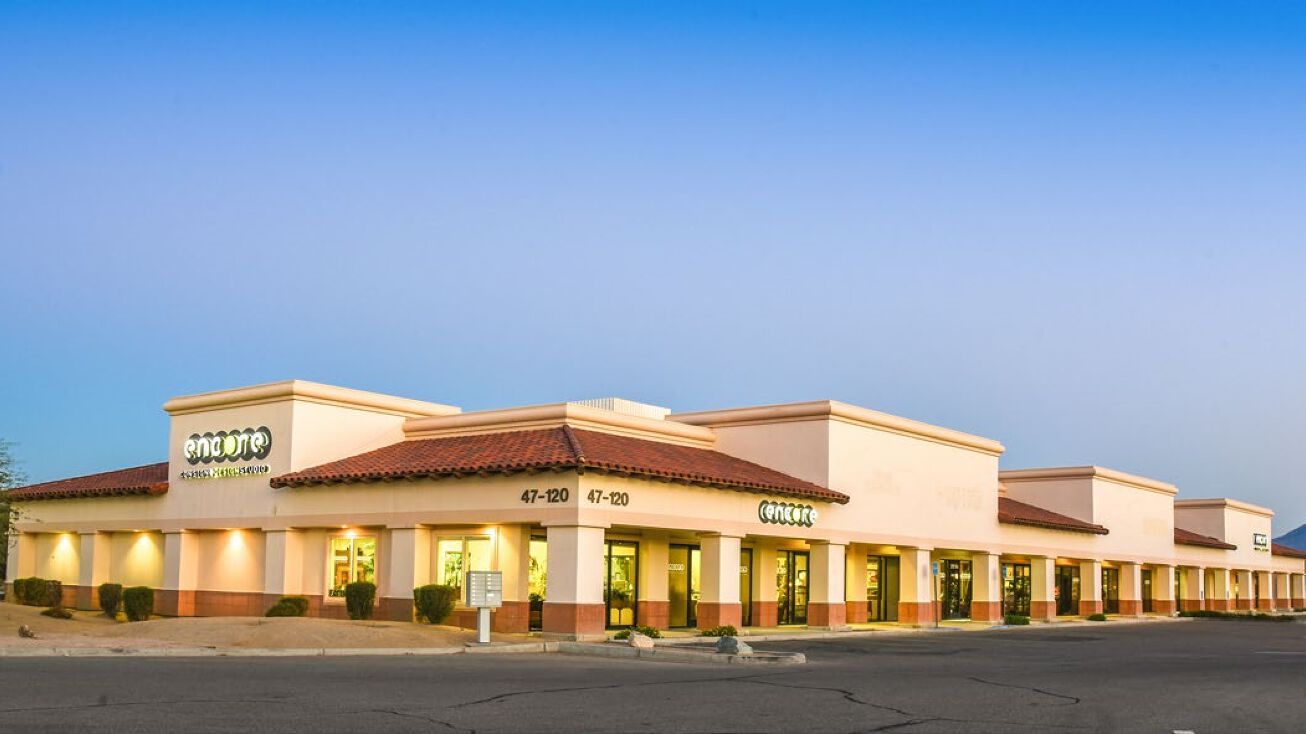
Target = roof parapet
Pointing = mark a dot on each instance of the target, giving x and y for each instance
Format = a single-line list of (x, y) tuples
[(310, 391), (845, 412), (1088, 472), (559, 414), (1223, 502)]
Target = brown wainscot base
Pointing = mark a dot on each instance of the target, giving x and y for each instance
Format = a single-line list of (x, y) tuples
[(574, 620), (716, 614)]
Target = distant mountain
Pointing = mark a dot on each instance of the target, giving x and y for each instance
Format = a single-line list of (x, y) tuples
[(1295, 539)]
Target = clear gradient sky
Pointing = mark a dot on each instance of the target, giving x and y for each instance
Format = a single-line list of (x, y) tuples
[(1079, 228)]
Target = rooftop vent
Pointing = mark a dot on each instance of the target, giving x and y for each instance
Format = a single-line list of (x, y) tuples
[(626, 407)]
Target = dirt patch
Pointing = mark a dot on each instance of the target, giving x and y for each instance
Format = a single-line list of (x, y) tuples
[(90, 629)]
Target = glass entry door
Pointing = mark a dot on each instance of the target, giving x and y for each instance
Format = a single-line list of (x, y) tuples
[(791, 586), (881, 589), (1067, 590), (1146, 583), (957, 590), (746, 587), (621, 583), (1111, 590), (1016, 588), (683, 569)]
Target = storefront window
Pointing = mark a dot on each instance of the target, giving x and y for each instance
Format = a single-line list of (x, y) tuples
[(1016, 588), (539, 580), (621, 583), (352, 559), (457, 556)]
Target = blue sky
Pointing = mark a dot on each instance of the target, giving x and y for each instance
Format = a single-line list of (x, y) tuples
[(1074, 227)]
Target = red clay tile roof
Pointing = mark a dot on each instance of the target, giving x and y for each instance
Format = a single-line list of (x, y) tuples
[(151, 479), (1188, 537), (562, 448), (1019, 513), (1277, 549)]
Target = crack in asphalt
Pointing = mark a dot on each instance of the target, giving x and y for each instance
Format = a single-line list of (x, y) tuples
[(414, 715), (609, 686), (1072, 699), (103, 702)]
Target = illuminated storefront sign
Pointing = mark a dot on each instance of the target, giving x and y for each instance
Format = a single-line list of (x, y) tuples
[(785, 513), (241, 445), (1260, 541)]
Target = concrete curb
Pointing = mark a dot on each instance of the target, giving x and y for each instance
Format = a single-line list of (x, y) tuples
[(264, 652), (606, 650)]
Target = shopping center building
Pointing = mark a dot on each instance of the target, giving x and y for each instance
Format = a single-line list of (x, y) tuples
[(607, 513)]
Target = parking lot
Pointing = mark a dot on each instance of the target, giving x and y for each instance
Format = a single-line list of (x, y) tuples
[(1200, 676)]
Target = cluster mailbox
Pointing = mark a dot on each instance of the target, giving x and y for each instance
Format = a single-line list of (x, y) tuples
[(484, 592)]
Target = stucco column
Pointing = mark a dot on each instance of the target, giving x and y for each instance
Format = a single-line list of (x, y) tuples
[(407, 566), (765, 611), (1163, 601), (654, 605), (1245, 599), (1131, 589), (1043, 585), (1282, 595), (1090, 587), (1265, 591), (283, 564), (92, 569), (825, 605), (181, 550), (1193, 587), (22, 560), (986, 594), (1298, 590), (573, 601), (1217, 594), (718, 603), (915, 587), (513, 560), (854, 584)]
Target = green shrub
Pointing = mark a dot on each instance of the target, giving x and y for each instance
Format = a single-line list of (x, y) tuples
[(138, 603), (724, 630), (1099, 617), (360, 597), (646, 631), (289, 606), (110, 599), (1013, 620), (434, 603), (58, 612), (38, 592)]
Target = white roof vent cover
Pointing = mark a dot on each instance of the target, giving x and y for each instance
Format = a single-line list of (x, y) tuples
[(626, 407)]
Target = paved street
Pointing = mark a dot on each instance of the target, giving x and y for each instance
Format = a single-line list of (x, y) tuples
[(1201, 676)]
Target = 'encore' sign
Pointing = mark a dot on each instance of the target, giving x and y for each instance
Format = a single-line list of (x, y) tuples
[(785, 513), (243, 445)]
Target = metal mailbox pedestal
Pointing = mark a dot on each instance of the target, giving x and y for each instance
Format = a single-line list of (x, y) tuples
[(484, 592)]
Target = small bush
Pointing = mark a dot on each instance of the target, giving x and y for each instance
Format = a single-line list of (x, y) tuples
[(725, 630), (646, 631), (110, 599), (434, 603), (1014, 620), (360, 597), (138, 603), (57, 612), (38, 592), (1099, 617), (289, 606)]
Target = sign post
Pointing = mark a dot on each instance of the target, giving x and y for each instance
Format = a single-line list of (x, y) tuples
[(484, 592), (934, 582)]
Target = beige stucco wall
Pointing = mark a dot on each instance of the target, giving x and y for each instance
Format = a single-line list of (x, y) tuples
[(57, 556), (136, 559)]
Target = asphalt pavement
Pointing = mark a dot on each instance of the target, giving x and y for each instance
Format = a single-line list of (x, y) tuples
[(1199, 676)]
